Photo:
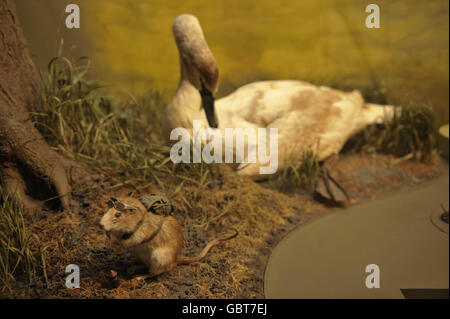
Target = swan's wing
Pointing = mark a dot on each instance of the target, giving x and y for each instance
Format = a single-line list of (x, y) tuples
[(302, 112), (262, 103)]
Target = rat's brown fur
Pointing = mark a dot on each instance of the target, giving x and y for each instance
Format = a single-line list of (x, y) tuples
[(157, 249)]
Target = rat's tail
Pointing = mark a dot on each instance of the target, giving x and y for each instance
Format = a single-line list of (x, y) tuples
[(188, 260)]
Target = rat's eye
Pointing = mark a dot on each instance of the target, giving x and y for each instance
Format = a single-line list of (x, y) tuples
[(117, 215)]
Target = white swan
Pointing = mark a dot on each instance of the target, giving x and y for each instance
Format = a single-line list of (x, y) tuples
[(303, 113)]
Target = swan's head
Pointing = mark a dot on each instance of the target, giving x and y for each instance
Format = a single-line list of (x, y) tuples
[(198, 62)]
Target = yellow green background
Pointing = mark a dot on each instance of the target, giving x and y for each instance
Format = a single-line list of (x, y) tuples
[(131, 45)]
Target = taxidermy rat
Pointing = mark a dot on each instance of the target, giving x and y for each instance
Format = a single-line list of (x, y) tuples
[(155, 240)]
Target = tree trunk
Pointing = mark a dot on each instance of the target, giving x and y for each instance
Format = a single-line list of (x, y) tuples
[(25, 156)]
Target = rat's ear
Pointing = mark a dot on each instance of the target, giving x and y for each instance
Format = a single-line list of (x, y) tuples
[(129, 194)]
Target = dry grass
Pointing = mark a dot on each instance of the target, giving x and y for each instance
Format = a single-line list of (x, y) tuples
[(17, 258), (412, 131), (303, 175)]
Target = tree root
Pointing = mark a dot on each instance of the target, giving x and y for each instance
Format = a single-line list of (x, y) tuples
[(15, 186), (31, 163)]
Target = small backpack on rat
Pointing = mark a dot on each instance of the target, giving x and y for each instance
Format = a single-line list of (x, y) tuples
[(161, 205)]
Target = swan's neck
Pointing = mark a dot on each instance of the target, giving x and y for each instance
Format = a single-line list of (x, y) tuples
[(186, 104)]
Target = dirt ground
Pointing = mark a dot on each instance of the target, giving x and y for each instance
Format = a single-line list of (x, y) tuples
[(233, 269)]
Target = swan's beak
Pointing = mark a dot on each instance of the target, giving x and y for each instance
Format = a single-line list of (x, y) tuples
[(208, 106)]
